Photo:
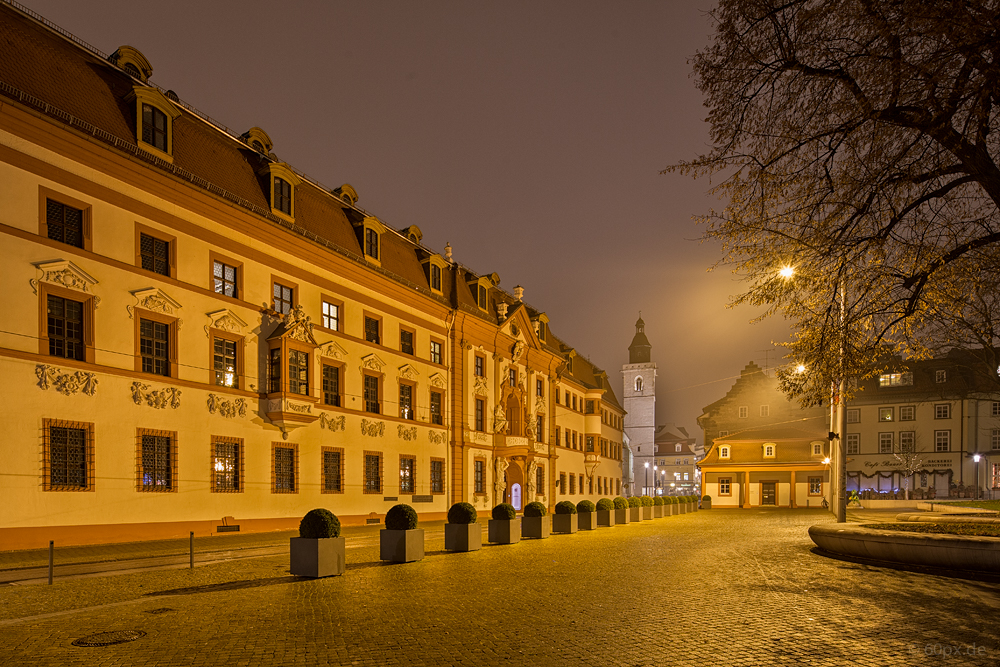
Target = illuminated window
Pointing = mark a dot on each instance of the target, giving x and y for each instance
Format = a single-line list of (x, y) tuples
[(436, 416), (895, 380), (406, 401), (224, 362), (407, 472), (815, 486), (331, 316), (227, 465), (435, 352), (224, 279), (885, 414)]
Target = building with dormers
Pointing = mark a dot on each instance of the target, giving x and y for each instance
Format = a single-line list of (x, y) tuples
[(675, 469), (197, 337)]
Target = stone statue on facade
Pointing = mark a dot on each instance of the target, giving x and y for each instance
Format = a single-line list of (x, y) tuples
[(499, 420), (530, 486), (500, 482)]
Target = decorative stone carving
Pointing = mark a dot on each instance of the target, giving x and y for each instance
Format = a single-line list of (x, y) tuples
[(499, 420), (408, 372), (156, 398), (224, 320), (407, 434), (338, 423), (372, 428), (437, 438), (530, 485), (274, 405), (304, 408), (66, 383), (65, 273), (225, 407), (333, 350), (153, 299), (372, 362), (539, 404), (437, 380), (481, 388), (500, 481), (476, 436), (298, 325), (529, 429), (517, 441), (541, 447), (517, 350)]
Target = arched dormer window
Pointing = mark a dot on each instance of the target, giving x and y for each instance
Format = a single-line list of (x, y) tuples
[(372, 233), (769, 450), (258, 140), (133, 62), (282, 182), (638, 383), (678, 448), (371, 243), (434, 266), (724, 452), (154, 118)]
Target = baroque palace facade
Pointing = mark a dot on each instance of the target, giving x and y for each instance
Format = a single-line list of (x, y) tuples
[(198, 337)]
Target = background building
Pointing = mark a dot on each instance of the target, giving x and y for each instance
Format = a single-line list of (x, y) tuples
[(676, 457)]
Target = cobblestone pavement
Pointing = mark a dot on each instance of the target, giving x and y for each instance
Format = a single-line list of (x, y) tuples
[(718, 587)]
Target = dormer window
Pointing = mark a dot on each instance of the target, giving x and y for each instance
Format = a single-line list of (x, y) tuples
[(154, 115), (282, 196), (482, 297), (769, 451), (371, 243), (281, 183), (435, 277), (723, 452), (154, 127), (370, 234), (678, 448)]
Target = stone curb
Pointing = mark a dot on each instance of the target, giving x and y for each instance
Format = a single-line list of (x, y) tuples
[(956, 552), (923, 517), (949, 508)]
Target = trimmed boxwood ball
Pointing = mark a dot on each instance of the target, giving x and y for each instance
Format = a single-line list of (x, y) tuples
[(401, 517), (462, 513), (564, 507), (634, 501), (586, 506), (621, 503), (604, 504), (706, 497), (657, 500), (319, 524), (646, 501), (534, 509), (504, 512), (670, 500)]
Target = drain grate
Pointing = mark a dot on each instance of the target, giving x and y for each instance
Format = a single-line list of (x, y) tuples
[(109, 638), (161, 610)]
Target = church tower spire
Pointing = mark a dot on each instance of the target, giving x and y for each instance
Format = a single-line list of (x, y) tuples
[(638, 351), (639, 394)]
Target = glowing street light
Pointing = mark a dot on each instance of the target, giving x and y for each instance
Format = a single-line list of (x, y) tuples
[(786, 272)]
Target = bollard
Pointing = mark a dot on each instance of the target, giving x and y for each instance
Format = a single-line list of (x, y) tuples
[(52, 546), (192, 549)]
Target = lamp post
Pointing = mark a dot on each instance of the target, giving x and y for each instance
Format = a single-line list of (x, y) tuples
[(975, 458), (663, 480), (645, 489)]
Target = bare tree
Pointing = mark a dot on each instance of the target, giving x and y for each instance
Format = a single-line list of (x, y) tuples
[(910, 462), (857, 142)]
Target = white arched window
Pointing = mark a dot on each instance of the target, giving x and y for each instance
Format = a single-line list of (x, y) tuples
[(678, 448), (638, 384), (768, 450), (723, 452)]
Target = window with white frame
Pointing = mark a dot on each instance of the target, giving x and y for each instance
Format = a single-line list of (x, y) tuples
[(940, 376), (907, 413), (942, 441), (995, 439), (744, 412), (769, 451), (907, 441), (885, 414), (331, 316), (723, 452), (885, 443), (854, 416), (942, 411), (765, 410), (677, 448), (817, 448), (996, 409), (853, 443), (895, 380)]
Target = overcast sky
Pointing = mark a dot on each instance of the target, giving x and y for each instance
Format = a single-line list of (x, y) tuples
[(528, 135)]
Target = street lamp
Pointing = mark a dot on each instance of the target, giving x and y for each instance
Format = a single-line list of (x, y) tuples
[(976, 457)]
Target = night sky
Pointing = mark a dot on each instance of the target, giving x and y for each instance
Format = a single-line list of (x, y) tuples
[(528, 135)]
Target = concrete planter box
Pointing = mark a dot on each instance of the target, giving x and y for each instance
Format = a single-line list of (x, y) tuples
[(504, 531), (647, 513), (463, 536), (317, 557), (401, 546), (957, 552), (605, 517), (565, 523), (587, 520), (538, 527), (682, 508), (635, 514), (706, 504), (657, 511), (622, 516)]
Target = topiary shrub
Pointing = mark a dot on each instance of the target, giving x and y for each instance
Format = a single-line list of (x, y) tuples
[(707, 497), (564, 507), (504, 512), (657, 501), (605, 504), (585, 506), (401, 517), (319, 524), (670, 500), (634, 501), (646, 501), (534, 509), (621, 503), (462, 513)]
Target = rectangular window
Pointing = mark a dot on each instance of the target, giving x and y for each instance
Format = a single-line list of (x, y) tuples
[(407, 467), (744, 412), (567, 433), (512, 377), (154, 347), (996, 409), (540, 480), (283, 298), (224, 362), (435, 352), (406, 401), (371, 243), (557, 440), (996, 476), (372, 330), (437, 476), (590, 443), (331, 385), (156, 461), (995, 439), (885, 414), (479, 475), (284, 470), (298, 372), (480, 366), (907, 413), (373, 473), (224, 279), (371, 394), (154, 127), (562, 483), (282, 195), (274, 370), (885, 443), (436, 416), (68, 457), (572, 485), (854, 416), (333, 470), (482, 297), (853, 443), (540, 387), (765, 410), (540, 428), (65, 328), (815, 486), (907, 441), (64, 223), (331, 316), (405, 341), (895, 380), (435, 278), (940, 376), (480, 415), (574, 401), (589, 407), (155, 254), (942, 411), (942, 441), (227, 465)]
